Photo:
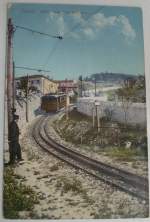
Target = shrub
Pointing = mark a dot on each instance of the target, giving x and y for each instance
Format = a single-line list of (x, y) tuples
[(75, 186), (17, 197)]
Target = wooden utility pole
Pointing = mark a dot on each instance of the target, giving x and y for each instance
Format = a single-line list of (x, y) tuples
[(80, 86), (98, 122), (97, 116), (95, 85), (67, 102), (93, 115), (10, 90), (27, 99), (14, 87)]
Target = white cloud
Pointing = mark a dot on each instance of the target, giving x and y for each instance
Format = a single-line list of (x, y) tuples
[(77, 26), (127, 29), (57, 23), (51, 16), (76, 17), (112, 20), (89, 33), (61, 25), (99, 21)]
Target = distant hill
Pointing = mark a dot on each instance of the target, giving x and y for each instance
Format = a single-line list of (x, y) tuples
[(110, 77)]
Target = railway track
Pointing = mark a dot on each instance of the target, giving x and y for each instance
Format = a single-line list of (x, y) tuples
[(125, 181)]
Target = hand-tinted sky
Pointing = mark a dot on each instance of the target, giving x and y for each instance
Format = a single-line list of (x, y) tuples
[(96, 39)]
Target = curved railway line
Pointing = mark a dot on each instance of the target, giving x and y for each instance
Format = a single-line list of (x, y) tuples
[(120, 179)]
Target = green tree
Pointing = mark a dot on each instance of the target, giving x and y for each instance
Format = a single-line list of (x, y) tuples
[(26, 89)]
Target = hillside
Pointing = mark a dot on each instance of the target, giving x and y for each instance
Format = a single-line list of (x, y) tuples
[(110, 77)]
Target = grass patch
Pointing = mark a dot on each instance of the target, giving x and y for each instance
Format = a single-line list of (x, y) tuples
[(104, 211), (77, 116), (73, 185), (31, 155), (122, 154), (55, 167), (17, 197), (78, 130)]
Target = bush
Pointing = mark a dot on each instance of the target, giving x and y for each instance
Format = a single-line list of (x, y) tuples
[(75, 186), (17, 197), (70, 185), (142, 143)]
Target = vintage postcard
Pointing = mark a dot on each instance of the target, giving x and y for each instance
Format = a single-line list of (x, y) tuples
[(75, 113)]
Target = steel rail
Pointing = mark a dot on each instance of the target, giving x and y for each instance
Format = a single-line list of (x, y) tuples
[(119, 173), (133, 185)]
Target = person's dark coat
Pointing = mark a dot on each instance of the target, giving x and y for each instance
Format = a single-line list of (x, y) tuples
[(14, 146), (13, 131)]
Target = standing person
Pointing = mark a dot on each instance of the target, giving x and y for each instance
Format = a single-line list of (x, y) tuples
[(14, 146)]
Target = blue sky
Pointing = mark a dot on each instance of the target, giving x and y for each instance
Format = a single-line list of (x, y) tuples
[(96, 39)]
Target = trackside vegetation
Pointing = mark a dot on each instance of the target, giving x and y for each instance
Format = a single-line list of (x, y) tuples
[(17, 197)]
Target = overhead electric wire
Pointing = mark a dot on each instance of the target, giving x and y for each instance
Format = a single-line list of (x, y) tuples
[(28, 68), (52, 36), (51, 53), (73, 28), (38, 32), (87, 18)]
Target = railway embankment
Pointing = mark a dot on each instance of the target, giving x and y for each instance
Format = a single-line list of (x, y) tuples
[(124, 147), (67, 193), (64, 192)]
